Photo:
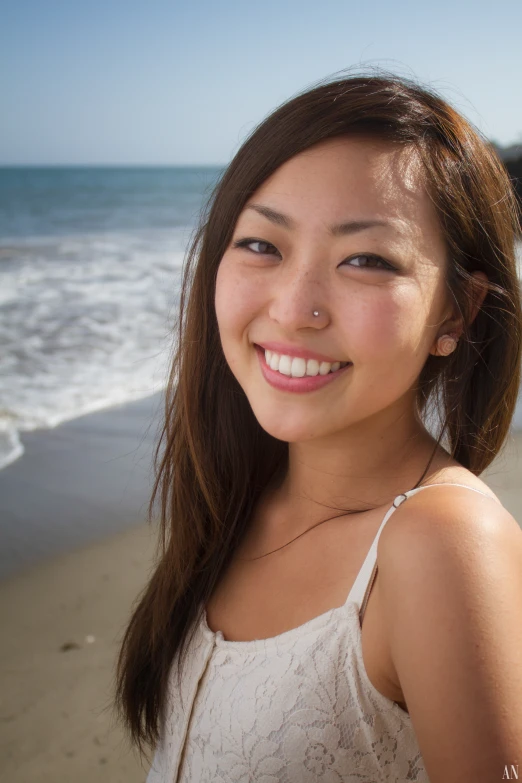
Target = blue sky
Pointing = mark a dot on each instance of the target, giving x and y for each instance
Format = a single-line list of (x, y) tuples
[(183, 82)]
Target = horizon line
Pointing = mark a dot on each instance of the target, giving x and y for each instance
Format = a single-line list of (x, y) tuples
[(110, 165)]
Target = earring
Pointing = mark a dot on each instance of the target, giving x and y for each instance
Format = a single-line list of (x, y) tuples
[(447, 344)]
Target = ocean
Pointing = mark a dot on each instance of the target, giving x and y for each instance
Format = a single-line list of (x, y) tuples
[(90, 262)]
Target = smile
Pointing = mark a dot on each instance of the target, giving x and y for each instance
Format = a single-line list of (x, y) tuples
[(297, 367), (295, 374)]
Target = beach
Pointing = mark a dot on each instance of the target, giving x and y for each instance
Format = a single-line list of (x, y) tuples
[(84, 487), (61, 622), (76, 550)]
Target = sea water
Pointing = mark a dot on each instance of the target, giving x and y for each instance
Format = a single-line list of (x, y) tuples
[(90, 262)]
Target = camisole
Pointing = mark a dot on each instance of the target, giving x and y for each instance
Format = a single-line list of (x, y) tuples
[(294, 708)]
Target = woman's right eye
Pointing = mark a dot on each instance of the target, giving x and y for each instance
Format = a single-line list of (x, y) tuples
[(247, 242)]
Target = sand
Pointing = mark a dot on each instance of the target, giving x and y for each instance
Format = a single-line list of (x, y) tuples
[(57, 725), (56, 722), (76, 550)]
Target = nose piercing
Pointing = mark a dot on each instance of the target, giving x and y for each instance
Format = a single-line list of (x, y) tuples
[(316, 312)]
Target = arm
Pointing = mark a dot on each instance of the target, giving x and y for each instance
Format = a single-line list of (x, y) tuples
[(451, 581)]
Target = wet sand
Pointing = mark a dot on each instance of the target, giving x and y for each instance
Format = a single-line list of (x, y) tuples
[(77, 483)]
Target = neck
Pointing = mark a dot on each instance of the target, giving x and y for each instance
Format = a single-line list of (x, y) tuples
[(358, 469)]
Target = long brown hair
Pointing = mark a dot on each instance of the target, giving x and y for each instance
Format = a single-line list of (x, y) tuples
[(213, 460)]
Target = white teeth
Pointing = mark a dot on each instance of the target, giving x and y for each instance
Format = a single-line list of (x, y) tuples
[(312, 367), (296, 367), (285, 365)]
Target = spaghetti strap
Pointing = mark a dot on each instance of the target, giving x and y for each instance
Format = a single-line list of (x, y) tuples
[(362, 586)]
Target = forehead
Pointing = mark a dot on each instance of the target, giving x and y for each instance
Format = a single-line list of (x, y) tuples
[(353, 178)]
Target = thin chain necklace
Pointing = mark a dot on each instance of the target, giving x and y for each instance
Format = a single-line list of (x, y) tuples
[(336, 516)]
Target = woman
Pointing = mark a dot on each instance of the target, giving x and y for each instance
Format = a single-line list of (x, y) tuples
[(351, 292)]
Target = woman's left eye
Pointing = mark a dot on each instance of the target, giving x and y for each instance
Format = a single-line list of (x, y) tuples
[(374, 261)]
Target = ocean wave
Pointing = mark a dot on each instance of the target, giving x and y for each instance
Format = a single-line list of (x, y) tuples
[(85, 323)]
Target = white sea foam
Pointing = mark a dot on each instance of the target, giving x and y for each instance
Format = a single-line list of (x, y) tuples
[(85, 323)]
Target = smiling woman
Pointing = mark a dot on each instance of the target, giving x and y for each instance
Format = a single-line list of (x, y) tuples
[(383, 316), (347, 281)]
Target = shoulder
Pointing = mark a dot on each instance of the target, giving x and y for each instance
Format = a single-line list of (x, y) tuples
[(449, 520), (450, 568), (449, 533)]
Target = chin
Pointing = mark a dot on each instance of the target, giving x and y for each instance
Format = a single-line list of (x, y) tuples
[(282, 424)]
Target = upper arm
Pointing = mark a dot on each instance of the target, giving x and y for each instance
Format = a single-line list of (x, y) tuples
[(451, 587)]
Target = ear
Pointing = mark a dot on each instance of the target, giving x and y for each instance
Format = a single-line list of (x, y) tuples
[(478, 288), (477, 292)]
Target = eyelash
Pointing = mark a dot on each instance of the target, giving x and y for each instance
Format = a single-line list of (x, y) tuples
[(249, 241)]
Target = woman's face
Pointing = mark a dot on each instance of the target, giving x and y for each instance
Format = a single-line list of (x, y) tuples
[(382, 316)]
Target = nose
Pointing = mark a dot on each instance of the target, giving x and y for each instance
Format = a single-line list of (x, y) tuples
[(297, 295)]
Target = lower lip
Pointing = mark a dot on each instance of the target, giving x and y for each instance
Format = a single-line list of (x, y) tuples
[(307, 383)]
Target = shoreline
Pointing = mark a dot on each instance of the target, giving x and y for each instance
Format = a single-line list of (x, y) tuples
[(77, 483), (16, 437)]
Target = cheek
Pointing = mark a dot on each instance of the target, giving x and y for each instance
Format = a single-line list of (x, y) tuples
[(386, 335), (376, 328), (236, 302)]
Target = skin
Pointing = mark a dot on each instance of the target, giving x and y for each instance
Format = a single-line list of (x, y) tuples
[(442, 629)]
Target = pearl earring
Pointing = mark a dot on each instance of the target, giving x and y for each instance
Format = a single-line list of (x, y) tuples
[(447, 344)]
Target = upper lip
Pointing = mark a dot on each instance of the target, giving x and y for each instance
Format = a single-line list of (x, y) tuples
[(285, 349)]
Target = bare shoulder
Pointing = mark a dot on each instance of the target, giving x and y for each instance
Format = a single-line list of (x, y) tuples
[(452, 510), (450, 531), (450, 567)]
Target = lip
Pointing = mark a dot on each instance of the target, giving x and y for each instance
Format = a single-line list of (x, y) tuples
[(293, 350), (307, 383)]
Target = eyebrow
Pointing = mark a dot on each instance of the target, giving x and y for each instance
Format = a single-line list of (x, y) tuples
[(336, 230)]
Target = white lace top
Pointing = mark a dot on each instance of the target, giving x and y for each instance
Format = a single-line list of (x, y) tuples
[(295, 708)]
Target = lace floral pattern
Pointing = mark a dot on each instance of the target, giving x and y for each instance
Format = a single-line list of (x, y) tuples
[(297, 708)]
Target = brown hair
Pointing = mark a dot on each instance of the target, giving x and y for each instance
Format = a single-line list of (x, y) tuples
[(213, 459)]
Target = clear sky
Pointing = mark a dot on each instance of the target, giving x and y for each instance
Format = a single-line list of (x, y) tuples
[(184, 82)]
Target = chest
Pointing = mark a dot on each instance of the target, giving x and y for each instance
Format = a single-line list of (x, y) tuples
[(264, 597)]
